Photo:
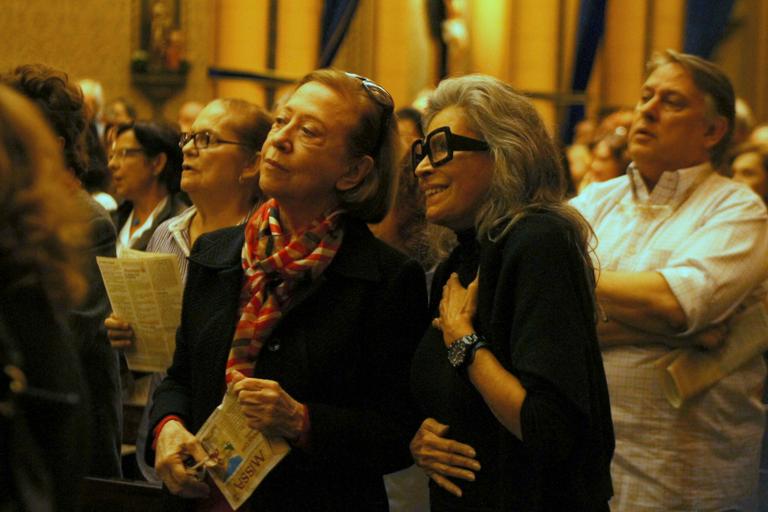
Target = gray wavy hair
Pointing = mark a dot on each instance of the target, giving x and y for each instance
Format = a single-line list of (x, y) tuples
[(527, 175)]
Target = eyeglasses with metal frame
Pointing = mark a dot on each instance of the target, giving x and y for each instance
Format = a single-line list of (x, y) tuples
[(121, 153), (439, 146), (205, 139)]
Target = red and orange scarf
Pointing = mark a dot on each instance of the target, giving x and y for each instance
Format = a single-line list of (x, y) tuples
[(273, 268)]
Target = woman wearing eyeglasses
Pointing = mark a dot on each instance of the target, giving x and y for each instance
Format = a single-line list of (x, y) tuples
[(310, 320), (509, 376), (145, 161), (220, 176)]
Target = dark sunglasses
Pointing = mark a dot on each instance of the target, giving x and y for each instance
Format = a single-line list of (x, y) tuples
[(380, 95), (375, 91), (439, 146)]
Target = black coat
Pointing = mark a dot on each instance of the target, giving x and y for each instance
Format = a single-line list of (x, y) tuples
[(44, 443), (343, 347), (176, 204), (99, 361)]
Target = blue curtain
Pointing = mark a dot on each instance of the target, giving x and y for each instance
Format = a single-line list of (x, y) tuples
[(337, 15), (591, 28), (705, 23)]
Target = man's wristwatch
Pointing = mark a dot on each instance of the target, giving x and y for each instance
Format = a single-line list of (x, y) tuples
[(462, 351)]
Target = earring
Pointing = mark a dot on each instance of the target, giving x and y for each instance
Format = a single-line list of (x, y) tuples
[(240, 179)]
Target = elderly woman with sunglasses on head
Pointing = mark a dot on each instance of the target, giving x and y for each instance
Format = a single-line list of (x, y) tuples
[(509, 375), (310, 319)]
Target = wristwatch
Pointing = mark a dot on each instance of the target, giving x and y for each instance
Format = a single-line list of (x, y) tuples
[(462, 351)]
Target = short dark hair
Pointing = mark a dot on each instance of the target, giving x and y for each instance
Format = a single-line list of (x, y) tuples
[(711, 81), (412, 115), (156, 138), (130, 110), (61, 102)]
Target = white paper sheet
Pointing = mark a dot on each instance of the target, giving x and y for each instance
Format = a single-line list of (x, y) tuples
[(145, 290)]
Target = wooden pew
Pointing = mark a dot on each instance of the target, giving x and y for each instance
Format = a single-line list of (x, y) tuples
[(113, 495)]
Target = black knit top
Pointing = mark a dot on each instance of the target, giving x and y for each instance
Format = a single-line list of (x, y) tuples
[(535, 307)]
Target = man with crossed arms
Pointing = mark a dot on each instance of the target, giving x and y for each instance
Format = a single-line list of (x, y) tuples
[(680, 249)]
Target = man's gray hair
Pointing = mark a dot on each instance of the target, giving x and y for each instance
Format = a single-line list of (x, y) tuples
[(715, 85)]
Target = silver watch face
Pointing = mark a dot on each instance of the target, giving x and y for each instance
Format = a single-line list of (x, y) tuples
[(457, 352)]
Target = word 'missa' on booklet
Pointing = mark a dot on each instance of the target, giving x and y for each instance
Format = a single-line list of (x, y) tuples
[(239, 457)]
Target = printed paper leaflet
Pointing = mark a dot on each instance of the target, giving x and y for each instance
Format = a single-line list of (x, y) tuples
[(243, 456), (145, 291)]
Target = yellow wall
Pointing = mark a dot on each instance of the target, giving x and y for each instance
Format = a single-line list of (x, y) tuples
[(533, 32), (634, 30), (490, 51), (95, 39), (516, 40), (404, 56), (242, 36), (669, 20), (241, 44), (623, 52)]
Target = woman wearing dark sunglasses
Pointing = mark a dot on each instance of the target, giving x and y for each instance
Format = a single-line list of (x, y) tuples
[(509, 376), (309, 319)]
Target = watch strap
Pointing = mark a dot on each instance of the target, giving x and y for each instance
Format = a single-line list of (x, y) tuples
[(481, 343)]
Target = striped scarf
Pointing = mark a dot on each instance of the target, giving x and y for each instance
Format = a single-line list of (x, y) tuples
[(273, 269)]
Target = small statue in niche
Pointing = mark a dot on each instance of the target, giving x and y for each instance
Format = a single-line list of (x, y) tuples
[(159, 32), (174, 53)]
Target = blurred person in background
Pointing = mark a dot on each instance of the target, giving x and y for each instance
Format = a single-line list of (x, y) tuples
[(577, 155), (609, 158), (760, 134), (61, 102), (221, 179), (749, 165), (44, 422), (96, 179), (116, 113), (145, 160), (405, 226), (743, 124), (93, 95), (409, 126), (188, 112)]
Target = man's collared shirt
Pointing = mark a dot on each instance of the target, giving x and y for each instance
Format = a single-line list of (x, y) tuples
[(708, 237)]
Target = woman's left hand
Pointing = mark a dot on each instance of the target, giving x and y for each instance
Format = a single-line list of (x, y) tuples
[(267, 407), (457, 308), (442, 458)]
